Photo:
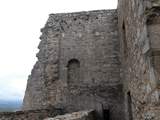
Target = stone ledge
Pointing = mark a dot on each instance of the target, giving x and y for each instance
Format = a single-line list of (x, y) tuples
[(81, 115), (30, 114)]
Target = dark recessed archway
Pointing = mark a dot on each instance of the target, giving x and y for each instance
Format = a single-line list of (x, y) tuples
[(73, 74)]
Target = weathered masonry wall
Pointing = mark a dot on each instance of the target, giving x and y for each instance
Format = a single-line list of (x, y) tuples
[(78, 64), (81, 115), (30, 115), (92, 41), (48, 115), (139, 33)]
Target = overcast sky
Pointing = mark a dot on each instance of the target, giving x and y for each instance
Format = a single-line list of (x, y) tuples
[(20, 23)]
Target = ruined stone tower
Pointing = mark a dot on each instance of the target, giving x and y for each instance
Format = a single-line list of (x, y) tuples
[(78, 64), (106, 60)]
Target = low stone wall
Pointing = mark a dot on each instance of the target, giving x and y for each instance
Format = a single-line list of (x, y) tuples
[(30, 114), (81, 115)]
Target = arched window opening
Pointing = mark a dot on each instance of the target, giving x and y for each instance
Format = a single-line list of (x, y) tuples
[(73, 71)]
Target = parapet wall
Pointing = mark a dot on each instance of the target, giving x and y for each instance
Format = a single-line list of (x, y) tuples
[(30, 115)]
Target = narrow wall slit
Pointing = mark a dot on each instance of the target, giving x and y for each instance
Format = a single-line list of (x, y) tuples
[(125, 47), (129, 105)]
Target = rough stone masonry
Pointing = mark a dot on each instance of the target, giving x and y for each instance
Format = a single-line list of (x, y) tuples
[(107, 61), (78, 65)]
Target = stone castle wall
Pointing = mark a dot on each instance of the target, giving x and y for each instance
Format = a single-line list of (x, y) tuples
[(100, 60), (31, 114), (139, 31), (78, 64)]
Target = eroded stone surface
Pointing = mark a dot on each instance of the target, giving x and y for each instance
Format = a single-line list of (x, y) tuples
[(81, 115), (100, 60), (31, 114), (78, 64), (138, 31)]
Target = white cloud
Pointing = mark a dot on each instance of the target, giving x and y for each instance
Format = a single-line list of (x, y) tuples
[(12, 87), (20, 25)]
